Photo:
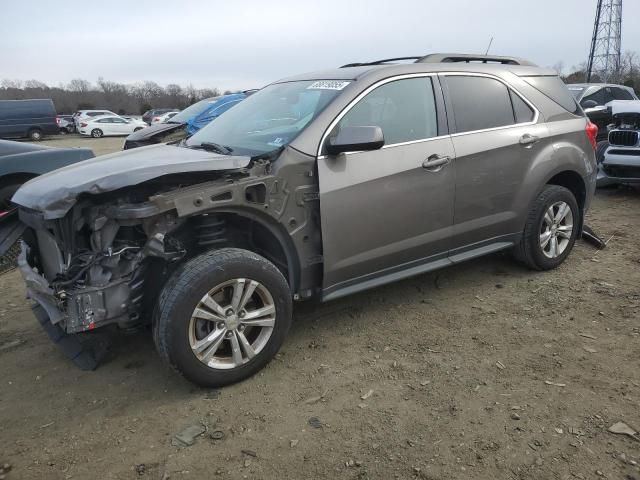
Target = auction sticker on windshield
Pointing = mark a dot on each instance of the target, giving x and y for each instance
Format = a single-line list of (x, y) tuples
[(328, 85)]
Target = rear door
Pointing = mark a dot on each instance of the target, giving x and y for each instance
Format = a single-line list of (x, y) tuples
[(387, 213), (496, 138)]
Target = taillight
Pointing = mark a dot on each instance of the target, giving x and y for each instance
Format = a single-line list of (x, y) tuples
[(83, 124), (592, 133)]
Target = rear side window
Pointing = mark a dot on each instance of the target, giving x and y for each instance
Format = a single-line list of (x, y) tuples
[(556, 90), (621, 94), (523, 112), (404, 109), (479, 103)]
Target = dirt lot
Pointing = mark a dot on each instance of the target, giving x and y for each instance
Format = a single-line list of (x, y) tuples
[(484, 370)]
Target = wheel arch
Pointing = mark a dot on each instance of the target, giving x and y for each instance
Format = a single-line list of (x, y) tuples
[(16, 178), (572, 181), (278, 246)]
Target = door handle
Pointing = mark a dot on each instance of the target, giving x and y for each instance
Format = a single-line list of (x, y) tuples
[(435, 163), (528, 139)]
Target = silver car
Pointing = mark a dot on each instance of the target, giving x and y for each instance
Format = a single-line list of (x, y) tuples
[(315, 187)]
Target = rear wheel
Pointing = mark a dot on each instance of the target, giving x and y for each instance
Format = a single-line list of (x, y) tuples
[(222, 316), (35, 134), (96, 133), (551, 229)]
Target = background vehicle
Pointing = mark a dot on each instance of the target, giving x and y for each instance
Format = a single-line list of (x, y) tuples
[(66, 124), (109, 126), (164, 117), (176, 128), (214, 110), (149, 114), (317, 186), (619, 157), (593, 98), (83, 115), (27, 118)]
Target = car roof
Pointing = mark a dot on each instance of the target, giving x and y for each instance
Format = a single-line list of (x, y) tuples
[(387, 70)]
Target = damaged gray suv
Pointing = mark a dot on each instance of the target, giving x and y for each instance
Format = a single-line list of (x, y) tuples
[(315, 187)]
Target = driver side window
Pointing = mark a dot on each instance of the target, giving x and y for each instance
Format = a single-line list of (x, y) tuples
[(404, 109)]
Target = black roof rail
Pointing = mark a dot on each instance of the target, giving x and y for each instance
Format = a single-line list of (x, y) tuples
[(379, 62), (450, 58), (467, 58)]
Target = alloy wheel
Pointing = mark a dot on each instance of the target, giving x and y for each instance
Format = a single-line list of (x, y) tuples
[(556, 229), (232, 323)]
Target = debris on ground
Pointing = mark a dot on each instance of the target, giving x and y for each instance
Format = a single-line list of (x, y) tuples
[(367, 395), (141, 469), (216, 435), (250, 453), (294, 443), (316, 399), (622, 428), (588, 335), (515, 416), (187, 437), (315, 422), (555, 384), (589, 349)]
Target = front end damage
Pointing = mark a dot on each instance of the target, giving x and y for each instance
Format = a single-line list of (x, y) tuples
[(104, 258)]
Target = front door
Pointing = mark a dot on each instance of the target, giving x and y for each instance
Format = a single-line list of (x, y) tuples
[(387, 213)]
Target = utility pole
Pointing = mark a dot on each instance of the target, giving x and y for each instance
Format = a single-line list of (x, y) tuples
[(604, 56)]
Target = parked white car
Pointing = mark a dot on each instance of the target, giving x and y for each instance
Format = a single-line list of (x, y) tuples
[(109, 125), (164, 117), (84, 115)]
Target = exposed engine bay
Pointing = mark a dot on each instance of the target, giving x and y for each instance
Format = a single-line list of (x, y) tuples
[(107, 258)]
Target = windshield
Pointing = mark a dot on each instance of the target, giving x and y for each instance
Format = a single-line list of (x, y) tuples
[(193, 110), (270, 118)]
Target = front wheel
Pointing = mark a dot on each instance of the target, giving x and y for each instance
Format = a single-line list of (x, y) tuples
[(222, 316), (551, 229), (96, 133)]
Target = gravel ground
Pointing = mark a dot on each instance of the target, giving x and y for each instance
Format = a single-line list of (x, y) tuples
[(483, 370)]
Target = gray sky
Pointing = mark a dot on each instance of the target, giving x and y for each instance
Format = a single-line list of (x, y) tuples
[(248, 43)]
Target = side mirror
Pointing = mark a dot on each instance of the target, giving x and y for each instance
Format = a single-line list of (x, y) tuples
[(589, 104), (355, 139)]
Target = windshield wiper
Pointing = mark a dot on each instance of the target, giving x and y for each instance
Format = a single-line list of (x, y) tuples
[(271, 155), (214, 147)]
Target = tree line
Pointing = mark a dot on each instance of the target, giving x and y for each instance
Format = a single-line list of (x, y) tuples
[(628, 74), (80, 94)]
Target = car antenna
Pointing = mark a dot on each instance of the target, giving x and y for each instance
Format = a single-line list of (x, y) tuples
[(489, 46)]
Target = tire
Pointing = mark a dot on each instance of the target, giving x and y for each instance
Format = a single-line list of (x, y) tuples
[(96, 133), (35, 134), (177, 332), (601, 147), (530, 250), (63, 131)]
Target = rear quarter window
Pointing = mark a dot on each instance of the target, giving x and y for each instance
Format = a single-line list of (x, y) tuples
[(556, 90)]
